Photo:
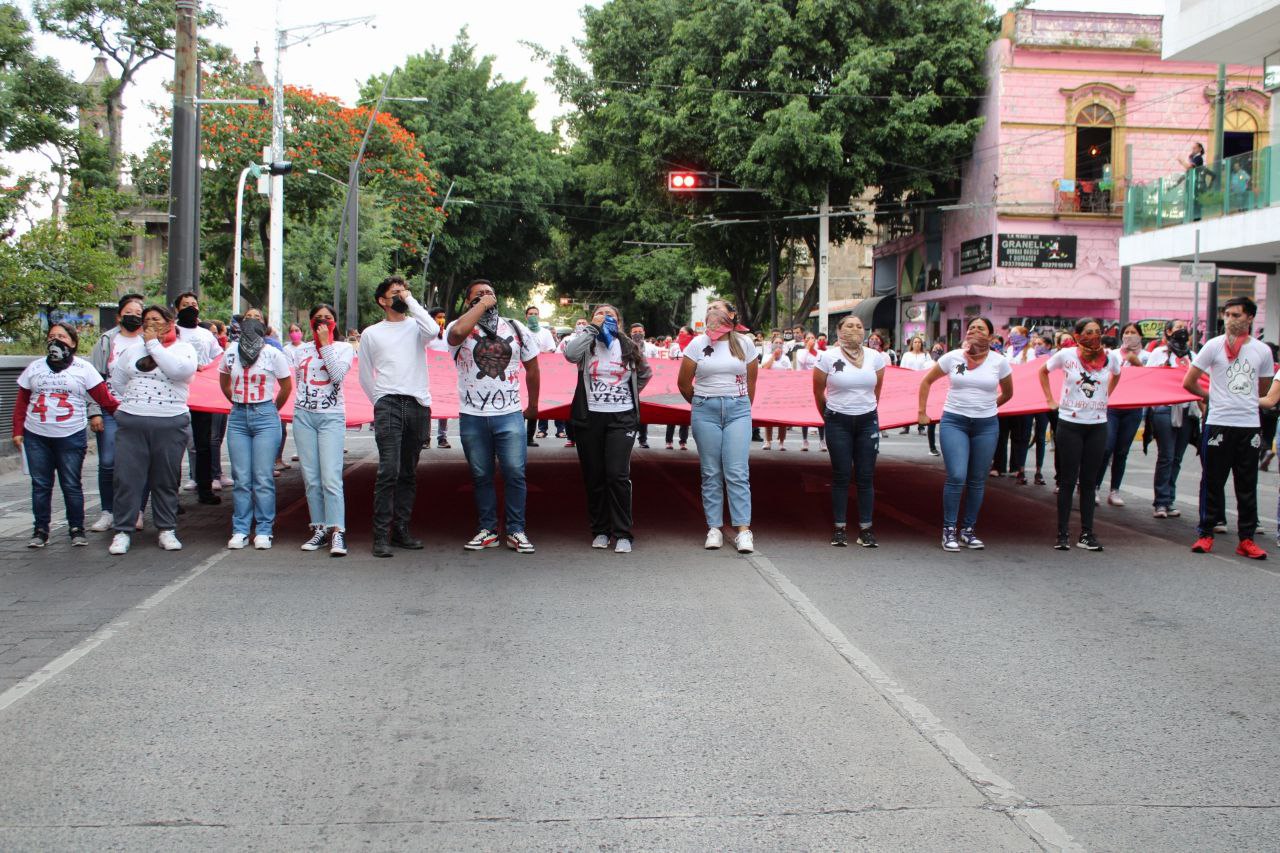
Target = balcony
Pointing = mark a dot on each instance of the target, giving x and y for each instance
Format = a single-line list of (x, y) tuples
[(1103, 197), (1236, 185)]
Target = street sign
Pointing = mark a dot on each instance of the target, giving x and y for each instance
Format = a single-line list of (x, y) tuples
[(1203, 271)]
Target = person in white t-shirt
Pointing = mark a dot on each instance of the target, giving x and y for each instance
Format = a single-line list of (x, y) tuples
[(981, 381), (489, 351), (915, 358), (257, 380), (846, 389), (1122, 424), (320, 427), (207, 348), (807, 359), (1239, 367), (49, 419), (1090, 373), (718, 379), (439, 344), (775, 358), (650, 351), (127, 332), (1172, 425), (546, 338)]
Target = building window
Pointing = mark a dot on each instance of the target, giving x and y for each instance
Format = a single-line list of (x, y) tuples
[(1231, 286), (1094, 126), (1240, 131)]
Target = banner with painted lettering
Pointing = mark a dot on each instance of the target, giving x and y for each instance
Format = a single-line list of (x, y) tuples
[(783, 397)]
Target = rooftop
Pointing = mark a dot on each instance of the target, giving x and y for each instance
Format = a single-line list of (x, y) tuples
[(1097, 30)]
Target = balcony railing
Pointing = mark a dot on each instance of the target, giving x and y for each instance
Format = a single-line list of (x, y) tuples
[(1240, 183), (1104, 196)]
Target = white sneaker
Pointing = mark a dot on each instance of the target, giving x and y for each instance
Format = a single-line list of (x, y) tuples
[(804, 445), (119, 544), (714, 539), (103, 524), (139, 524), (744, 542), (216, 485), (768, 445), (237, 541), (1114, 498), (169, 541), (600, 541), (623, 547), (262, 543), (189, 485), (226, 481)]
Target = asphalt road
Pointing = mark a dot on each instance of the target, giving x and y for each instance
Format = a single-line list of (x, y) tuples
[(672, 699)]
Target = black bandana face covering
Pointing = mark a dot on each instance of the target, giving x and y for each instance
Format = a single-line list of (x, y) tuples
[(60, 356), (250, 344), (188, 317)]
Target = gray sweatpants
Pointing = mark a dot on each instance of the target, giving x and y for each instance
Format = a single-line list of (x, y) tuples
[(148, 447)]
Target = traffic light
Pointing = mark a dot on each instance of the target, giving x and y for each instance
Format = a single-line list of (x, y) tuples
[(686, 181), (280, 167)]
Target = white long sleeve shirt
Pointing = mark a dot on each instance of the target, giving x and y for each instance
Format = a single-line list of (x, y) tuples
[(160, 392), (393, 358)]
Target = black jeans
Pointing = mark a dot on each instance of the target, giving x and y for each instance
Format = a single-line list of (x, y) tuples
[(401, 426), (1079, 450), (1040, 427), (853, 441), (671, 433), (1009, 461), (1227, 451), (201, 436), (604, 442)]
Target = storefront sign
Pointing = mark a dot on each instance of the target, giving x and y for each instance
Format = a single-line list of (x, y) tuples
[(1038, 251), (975, 255)]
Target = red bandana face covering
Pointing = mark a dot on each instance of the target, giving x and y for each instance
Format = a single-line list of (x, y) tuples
[(315, 328)]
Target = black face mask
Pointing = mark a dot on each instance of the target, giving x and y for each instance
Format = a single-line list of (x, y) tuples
[(1178, 342), (188, 317), (399, 305), (131, 322), (638, 337), (60, 356)]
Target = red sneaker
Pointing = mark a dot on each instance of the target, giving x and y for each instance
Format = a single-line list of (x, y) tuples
[(1203, 545), (1246, 548)]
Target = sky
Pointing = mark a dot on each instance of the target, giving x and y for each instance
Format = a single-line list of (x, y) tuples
[(338, 63)]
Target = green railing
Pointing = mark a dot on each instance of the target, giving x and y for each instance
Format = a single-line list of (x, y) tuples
[(1237, 184)]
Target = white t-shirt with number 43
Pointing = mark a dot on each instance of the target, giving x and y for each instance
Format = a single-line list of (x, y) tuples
[(58, 398), (608, 379), (253, 384)]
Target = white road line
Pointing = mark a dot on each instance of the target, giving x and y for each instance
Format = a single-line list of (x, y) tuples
[(1029, 816)]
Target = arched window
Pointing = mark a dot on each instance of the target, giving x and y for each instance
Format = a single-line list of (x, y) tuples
[(1240, 133), (1094, 125)]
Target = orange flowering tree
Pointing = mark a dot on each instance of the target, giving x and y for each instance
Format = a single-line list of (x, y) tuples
[(321, 134)]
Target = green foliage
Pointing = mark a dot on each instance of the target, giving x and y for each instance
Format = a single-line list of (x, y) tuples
[(73, 262), (37, 100), (478, 132), (795, 98)]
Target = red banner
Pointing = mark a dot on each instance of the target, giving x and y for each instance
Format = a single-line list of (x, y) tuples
[(783, 397)]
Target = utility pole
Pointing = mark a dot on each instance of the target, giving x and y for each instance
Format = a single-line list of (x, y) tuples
[(353, 217), (773, 281), (824, 271), (183, 207), (1219, 183), (1124, 271)]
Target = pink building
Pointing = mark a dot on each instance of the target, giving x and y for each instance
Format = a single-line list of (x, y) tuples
[(1035, 233)]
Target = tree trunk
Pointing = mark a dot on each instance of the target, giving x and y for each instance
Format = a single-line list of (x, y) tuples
[(810, 298), (115, 130)]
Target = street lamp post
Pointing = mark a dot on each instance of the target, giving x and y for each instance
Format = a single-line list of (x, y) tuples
[(235, 264)]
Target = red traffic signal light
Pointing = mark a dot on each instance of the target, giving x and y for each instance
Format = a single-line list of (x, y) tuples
[(684, 181)]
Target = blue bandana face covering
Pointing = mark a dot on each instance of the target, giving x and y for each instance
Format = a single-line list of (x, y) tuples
[(609, 330)]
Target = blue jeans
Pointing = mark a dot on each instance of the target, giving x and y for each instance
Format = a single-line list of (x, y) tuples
[(968, 444), (722, 428), (1122, 426), (63, 457), (853, 442), (1171, 444), (499, 437), (106, 441), (253, 436), (319, 438)]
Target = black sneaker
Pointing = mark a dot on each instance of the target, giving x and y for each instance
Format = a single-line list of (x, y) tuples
[(840, 538), (39, 538), (443, 443), (78, 539), (1064, 543), (867, 539), (1089, 542)]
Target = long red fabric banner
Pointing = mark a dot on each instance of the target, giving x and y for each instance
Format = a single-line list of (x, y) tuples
[(783, 397)]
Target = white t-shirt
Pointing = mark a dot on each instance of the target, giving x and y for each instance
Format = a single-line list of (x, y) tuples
[(318, 376), (718, 373), (1161, 357), (674, 351), (607, 379), (806, 360), (546, 339), (1084, 392), (253, 384), (1233, 385), (203, 341), (779, 363), (489, 368), (916, 361), (119, 343), (851, 390), (439, 344), (650, 350), (973, 392), (58, 399)]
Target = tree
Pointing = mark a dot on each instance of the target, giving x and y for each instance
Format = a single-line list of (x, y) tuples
[(480, 135), (130, 33), (794, 98)]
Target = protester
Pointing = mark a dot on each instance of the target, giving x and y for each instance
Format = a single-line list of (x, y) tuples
[(320, 426), (49, 419), (295, 340), (152, 379), (775, 359), (1122, 424), (981, 382), (612, 371), (807, 359), (206, 348), (546, 339), (846, 389), (915, 358), (1239, 366), (488, 351), (439, 344), (1090, 373), (253, 430), (1171, 426), (650, 351), (393, 374), (564, 429), (718, 379), (127, 332)]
